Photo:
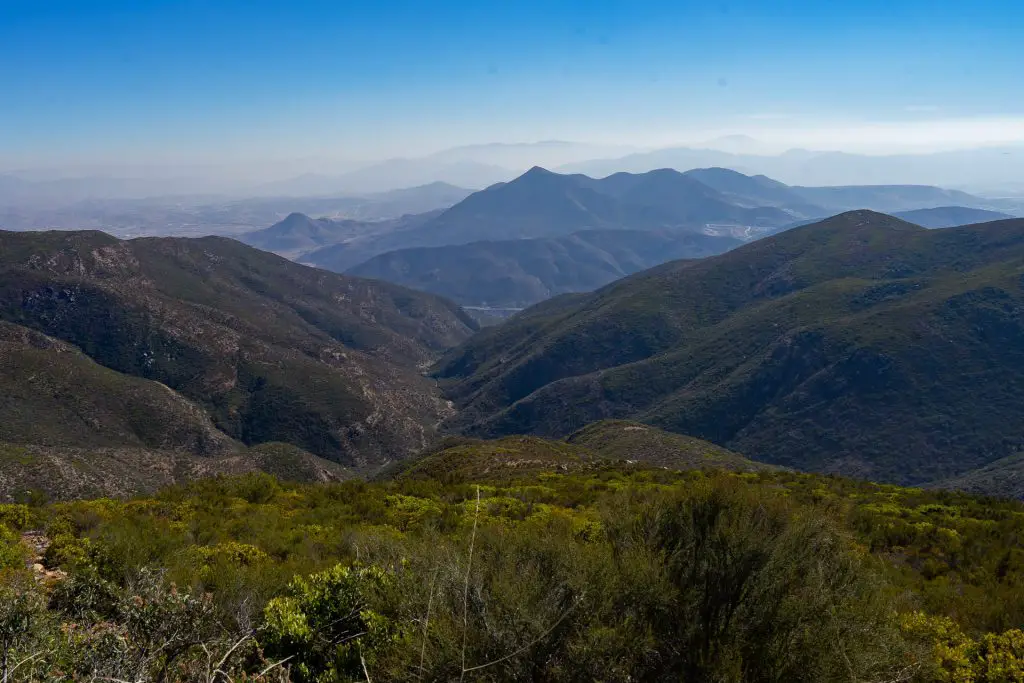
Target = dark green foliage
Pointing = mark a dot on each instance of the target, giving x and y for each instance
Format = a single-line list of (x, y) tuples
[(611, 443), (54, 395), (322, 624), (862, 345), (742, 576)]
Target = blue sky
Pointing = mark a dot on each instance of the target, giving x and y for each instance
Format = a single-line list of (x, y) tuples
[(106, 80)]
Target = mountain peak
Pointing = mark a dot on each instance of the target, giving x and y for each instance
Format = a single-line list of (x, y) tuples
[(538, 176), (859, 221), (537, 171)]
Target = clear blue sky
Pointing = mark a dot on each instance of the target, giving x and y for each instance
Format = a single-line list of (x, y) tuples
[(110, 79)]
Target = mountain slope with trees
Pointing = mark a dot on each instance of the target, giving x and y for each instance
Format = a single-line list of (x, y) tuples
[(863, 345), (153, 342)]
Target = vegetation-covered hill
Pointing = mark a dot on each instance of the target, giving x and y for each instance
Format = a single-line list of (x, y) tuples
[(862, 344), (579, 569), (517, 273), (179, 344), (887, 198), (51, 393), (633, 442), (602, 444)]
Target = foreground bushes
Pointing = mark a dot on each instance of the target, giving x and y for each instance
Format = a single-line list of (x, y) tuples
[(619, 576)]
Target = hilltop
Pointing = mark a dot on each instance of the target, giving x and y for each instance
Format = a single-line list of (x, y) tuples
[(862, 345), (604, 444)]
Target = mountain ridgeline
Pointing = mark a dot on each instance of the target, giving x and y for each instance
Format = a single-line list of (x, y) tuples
[(542, 204), (201, 346), (862, 345), (544, 233)]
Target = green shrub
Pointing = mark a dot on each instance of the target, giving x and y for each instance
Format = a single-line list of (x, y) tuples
[(13, 553), (15, 516), (323, 623)]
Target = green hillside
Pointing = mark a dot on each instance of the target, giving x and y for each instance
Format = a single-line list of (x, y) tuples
[(861, 345), (597, 446), (633, 442), (52, 394), (187, 344)]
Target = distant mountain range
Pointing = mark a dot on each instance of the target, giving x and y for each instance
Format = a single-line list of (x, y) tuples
[(206, 346), (887, 198), (517, 273), (950, 216), (862, 345), (938, 217), (989, 170), (541, 205), (981, 167)]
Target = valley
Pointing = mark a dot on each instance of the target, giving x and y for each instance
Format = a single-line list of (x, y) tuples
[(713, 314)]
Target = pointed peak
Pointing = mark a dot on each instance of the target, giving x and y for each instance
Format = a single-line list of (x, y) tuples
[(535, 176)]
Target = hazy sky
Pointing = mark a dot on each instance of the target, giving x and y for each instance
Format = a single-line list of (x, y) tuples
[(102, 81)]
